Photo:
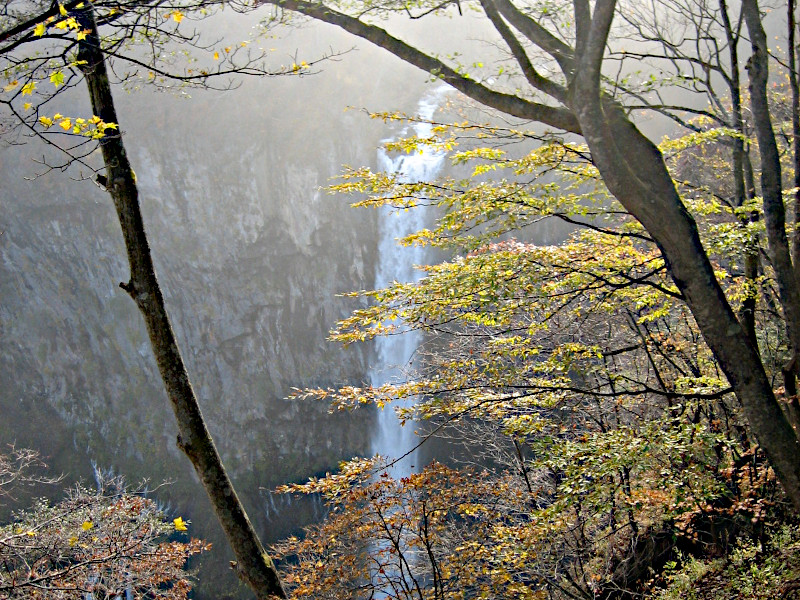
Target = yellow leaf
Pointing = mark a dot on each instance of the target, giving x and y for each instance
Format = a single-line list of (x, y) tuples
[(57, 116), (216, 55), (180, 524), (62, 10), (87, 525), (30, 533), (28, 88), (39, 30), (65, 125), (82, 34), (80, 5), (47, 122), (57, 78), (177, 16), (26, 106), (73, 540)]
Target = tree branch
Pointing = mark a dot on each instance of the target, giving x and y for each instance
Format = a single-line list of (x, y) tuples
[(561, 52), (558, 117), (534, 78)]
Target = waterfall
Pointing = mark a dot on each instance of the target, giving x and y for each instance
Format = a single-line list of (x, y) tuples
[(395, 263)]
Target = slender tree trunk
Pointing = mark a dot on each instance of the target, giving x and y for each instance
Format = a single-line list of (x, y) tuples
[(794, 84), (254, 565), (772, 195), (793, 403), (742, 190), (771, 185)]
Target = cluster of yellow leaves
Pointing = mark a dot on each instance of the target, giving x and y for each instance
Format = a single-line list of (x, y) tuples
[(93, 127), (696, 139), (297, 68), (62, 23), (503, 282)]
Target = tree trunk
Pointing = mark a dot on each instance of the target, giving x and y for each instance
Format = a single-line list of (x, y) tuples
[(772, 195), (794, 83), (743, 192), (771, 186), (254, 565)]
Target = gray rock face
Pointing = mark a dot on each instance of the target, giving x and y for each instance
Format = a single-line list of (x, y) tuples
[(250, 255)]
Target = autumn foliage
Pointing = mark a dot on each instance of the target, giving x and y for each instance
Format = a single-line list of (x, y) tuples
[(611, 440), (108, 543)]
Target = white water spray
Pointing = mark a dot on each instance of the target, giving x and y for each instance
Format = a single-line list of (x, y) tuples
[(395, 263)]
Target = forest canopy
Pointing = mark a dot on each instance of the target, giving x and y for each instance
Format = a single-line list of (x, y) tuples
[(629, 396)]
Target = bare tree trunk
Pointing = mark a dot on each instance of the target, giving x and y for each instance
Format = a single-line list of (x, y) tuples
[(794, 84), (772, 195), (254, 566), (744, 192), (771, 185)]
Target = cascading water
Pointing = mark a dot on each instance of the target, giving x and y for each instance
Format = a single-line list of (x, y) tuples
[(395, 263)]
